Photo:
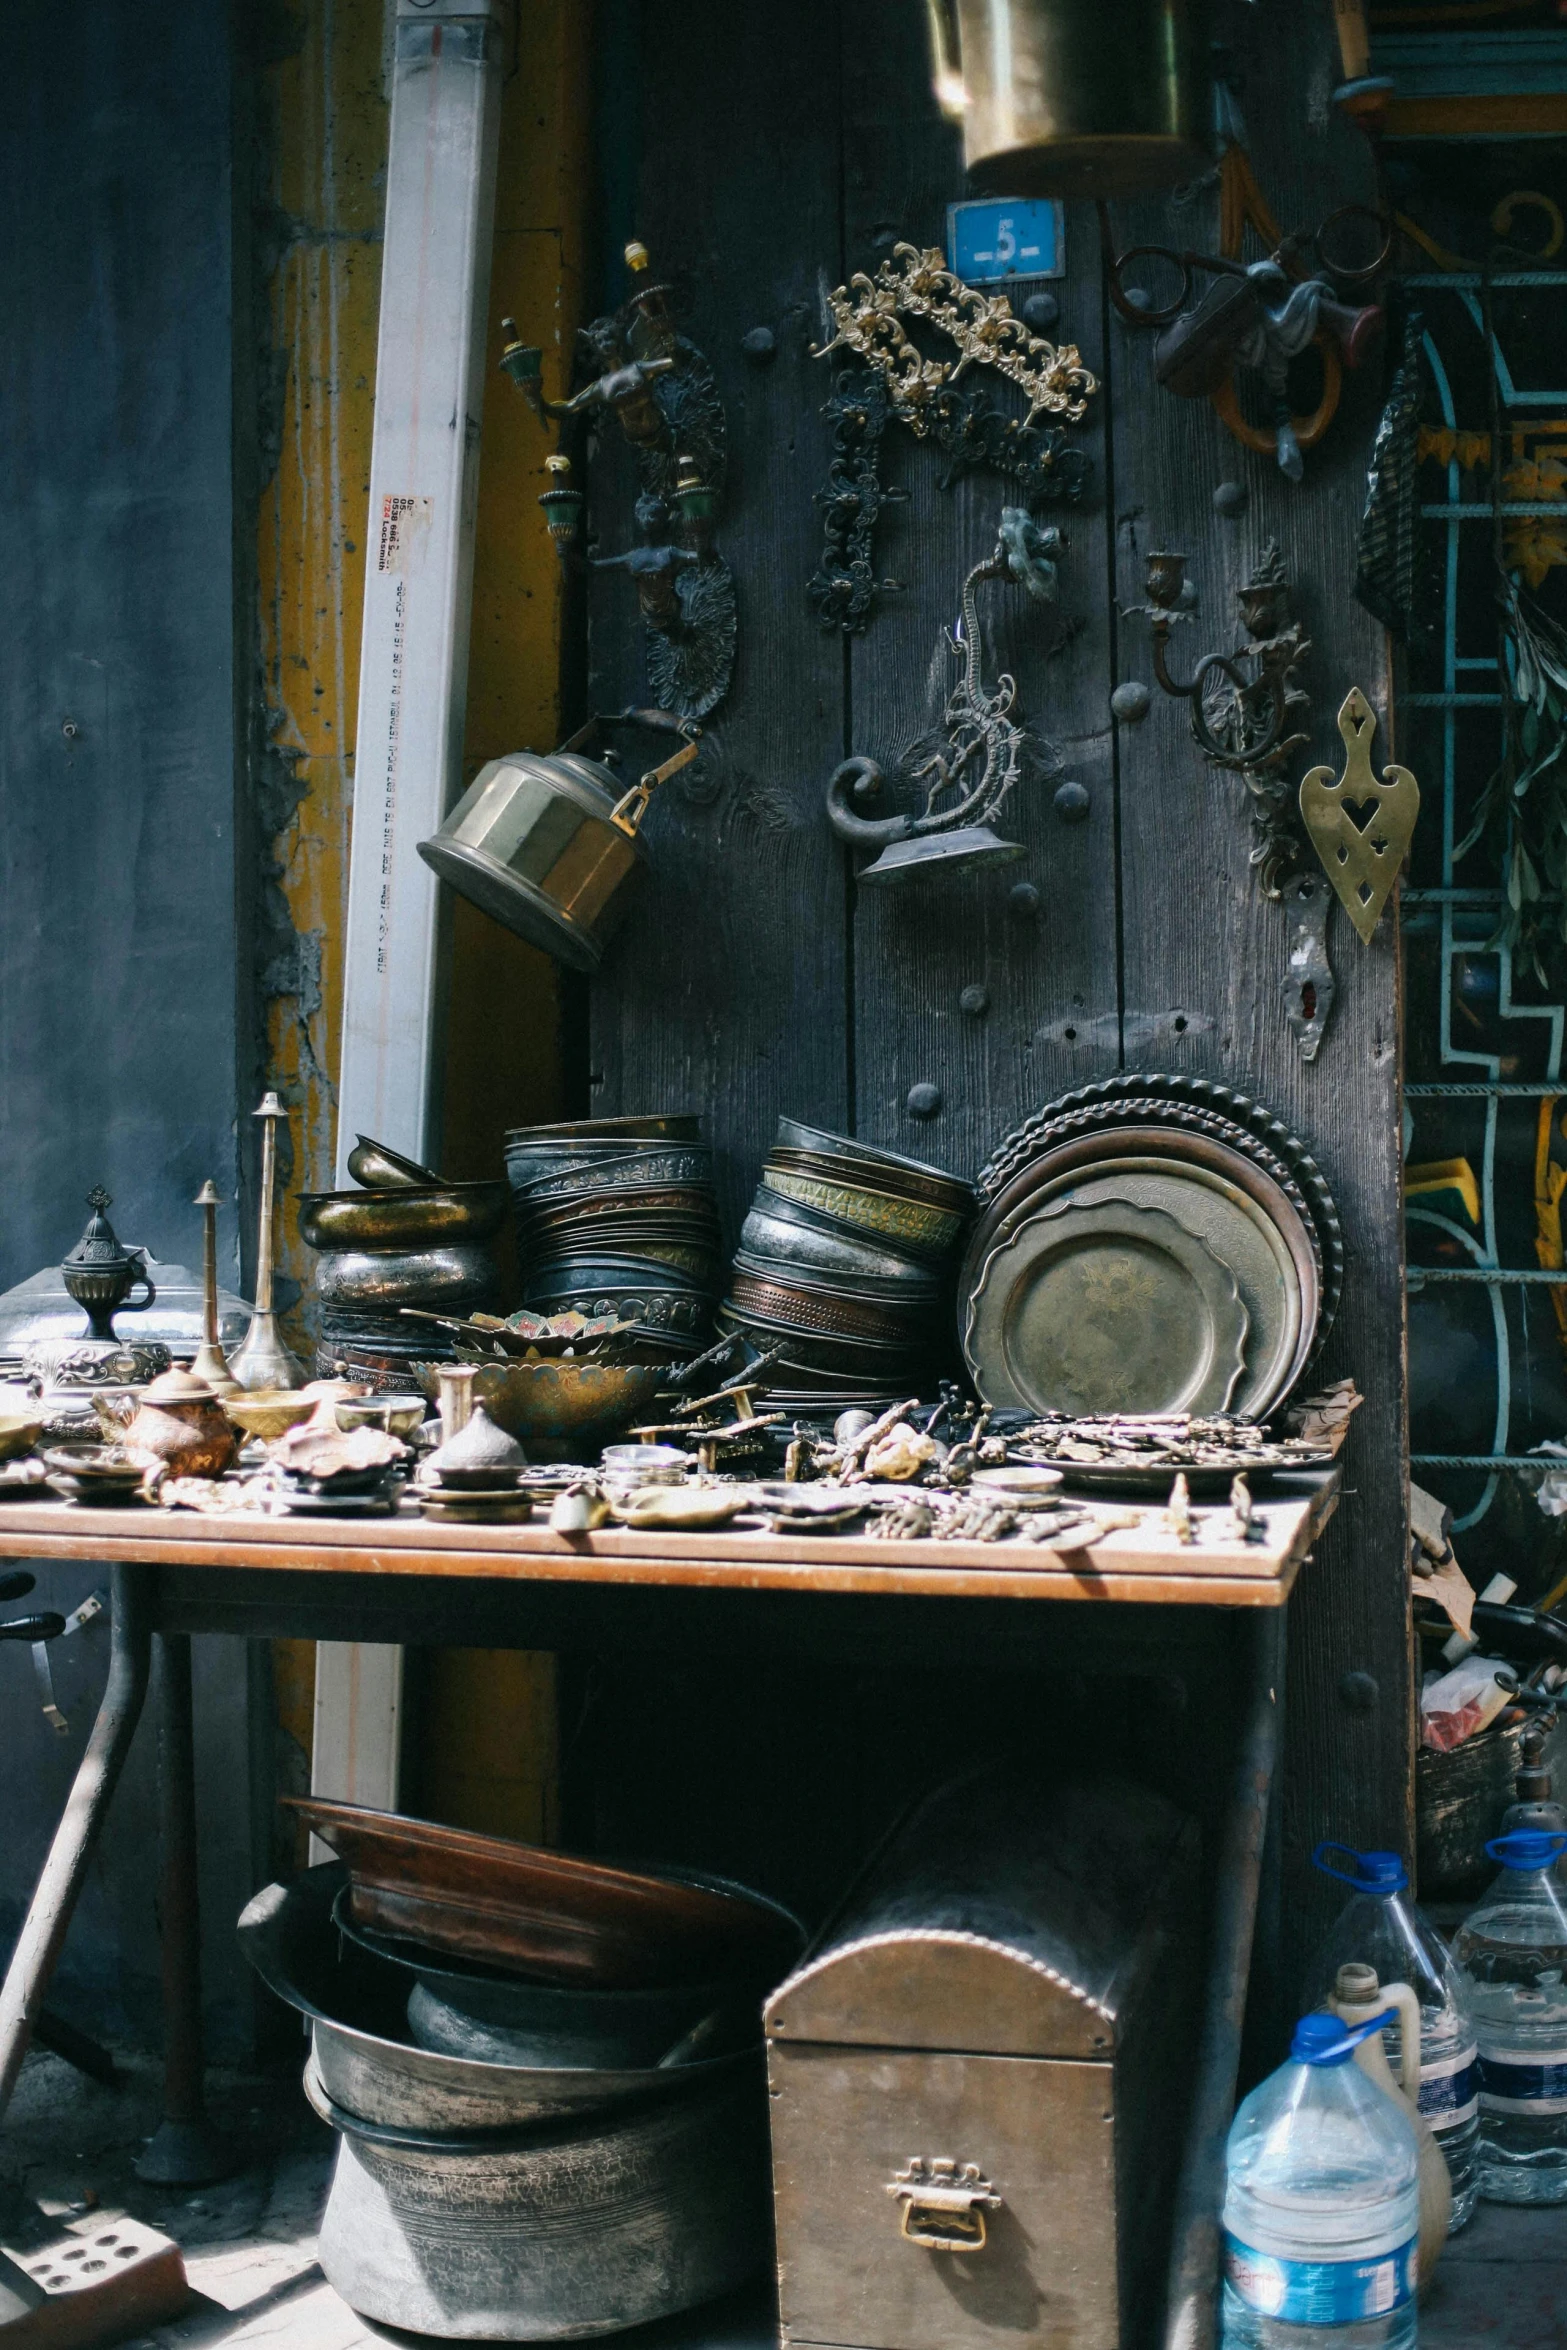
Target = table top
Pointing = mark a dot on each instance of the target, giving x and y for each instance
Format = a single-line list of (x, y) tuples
[(1144, 1564)]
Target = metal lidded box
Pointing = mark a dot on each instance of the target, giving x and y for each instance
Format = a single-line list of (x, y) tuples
[(978, 2075)]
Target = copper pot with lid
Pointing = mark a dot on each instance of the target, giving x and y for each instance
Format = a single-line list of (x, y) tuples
[(547, 846)]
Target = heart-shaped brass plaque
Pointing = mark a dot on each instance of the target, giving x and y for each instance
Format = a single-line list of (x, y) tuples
[(1361, 861)]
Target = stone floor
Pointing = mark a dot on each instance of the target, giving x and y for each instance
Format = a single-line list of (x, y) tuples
[(67, 2146)]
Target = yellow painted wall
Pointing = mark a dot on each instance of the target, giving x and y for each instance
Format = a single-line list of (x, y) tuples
[(490, 1757)]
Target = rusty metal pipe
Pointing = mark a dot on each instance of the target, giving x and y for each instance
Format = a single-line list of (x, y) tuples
[(43, 1931), (1191, 2312)]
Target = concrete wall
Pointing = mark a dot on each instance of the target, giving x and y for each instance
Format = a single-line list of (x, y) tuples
[(123, 973)]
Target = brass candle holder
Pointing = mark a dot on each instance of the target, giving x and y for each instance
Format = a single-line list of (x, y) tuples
[(211, 1362), (263, 1361)]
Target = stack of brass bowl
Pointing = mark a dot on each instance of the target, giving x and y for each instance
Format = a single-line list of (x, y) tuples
[(428, 1245), (618, 1215), (846, 1261)]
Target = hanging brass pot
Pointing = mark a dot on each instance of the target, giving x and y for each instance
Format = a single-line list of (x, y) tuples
[(1076, 97), (547, 845)]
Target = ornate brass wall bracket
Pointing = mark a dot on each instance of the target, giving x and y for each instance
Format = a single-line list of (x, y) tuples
[(1249, 714), (662, 393), (896, 382), (968, 778), (1361, 861), (1249, 711)]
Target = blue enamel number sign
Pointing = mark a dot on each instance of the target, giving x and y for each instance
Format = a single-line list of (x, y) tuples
[(1008, 238)]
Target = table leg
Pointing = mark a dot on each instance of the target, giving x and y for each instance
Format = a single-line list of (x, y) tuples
[(49, 1914), (185, 2150), (1192, 2307)]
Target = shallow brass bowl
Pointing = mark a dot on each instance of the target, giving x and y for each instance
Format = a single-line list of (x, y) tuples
[(559, 1409), (405, 1218), (269, 1412)]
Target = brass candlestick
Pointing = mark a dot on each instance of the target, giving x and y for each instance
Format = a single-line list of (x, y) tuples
[(264, 1361), (211, 1362)]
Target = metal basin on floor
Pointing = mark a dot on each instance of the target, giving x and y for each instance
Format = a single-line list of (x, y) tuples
[(367, 2066)]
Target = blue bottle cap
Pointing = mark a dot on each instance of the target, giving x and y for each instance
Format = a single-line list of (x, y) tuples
[(1323, 2039), (1527, 1848), (1371, 1872)]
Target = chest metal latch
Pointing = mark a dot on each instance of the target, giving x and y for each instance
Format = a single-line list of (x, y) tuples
[(944, 2204)]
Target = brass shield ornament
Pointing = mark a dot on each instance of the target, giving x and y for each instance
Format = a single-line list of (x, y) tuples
[(1361, 860)]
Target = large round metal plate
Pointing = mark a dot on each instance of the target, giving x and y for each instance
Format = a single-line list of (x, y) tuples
[(1176, 1098), (1239, 1234), (1270, 1187), (1110, 1308)]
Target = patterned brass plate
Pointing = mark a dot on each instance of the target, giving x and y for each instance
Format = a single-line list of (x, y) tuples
[(1111, 1308)]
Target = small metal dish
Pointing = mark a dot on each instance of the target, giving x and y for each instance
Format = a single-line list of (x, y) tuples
[(380, 1168), (407, 1217), (100, 1474), (399, 1415)]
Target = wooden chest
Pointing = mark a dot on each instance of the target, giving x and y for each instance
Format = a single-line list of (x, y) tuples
[(978, 2077)]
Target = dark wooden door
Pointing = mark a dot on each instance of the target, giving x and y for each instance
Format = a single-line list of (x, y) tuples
[(764, 154)]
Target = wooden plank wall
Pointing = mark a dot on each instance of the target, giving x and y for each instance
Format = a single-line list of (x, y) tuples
[(771, 153)]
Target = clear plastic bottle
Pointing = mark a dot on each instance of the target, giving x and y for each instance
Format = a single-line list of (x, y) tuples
[(1321, 2205), (1512, 1949), (1380, 1927)]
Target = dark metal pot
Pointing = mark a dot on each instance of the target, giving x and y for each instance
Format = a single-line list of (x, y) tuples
[(554, 2234), (1073, 97), (370, 1281)]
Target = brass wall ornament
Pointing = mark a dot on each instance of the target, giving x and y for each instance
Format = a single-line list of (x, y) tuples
[(662, 392), (1361, 860), (869, 312), (968, 778), (1249, 715), (895, 382)]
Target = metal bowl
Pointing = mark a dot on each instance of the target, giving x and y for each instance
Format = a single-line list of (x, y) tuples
[(356, 2004), (890, 1170), (269, 1413), (785, 1234), (656, 1166), (455, 1276), (380, 1168), (559, 1409), (404, 1218), (399, 1415), (922, 1227)]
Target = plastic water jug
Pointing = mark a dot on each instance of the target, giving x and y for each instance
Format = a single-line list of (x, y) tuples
[(1512, 1949), (1321, 2204), (1381, 1927)]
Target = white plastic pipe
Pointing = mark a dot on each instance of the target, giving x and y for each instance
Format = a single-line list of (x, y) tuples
[(424, 477), (413, 677)]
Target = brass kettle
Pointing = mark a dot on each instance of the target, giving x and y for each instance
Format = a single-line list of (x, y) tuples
[(547, 845), (1075, 97)]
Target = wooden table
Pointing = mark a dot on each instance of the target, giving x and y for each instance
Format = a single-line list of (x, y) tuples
[(405, 1580), (1145, 1565)]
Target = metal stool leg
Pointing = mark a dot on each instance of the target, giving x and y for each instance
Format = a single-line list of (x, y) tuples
[(49, 1913), (185, 2150)]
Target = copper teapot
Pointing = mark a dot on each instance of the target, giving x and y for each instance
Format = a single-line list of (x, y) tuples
[(177, 1424)]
